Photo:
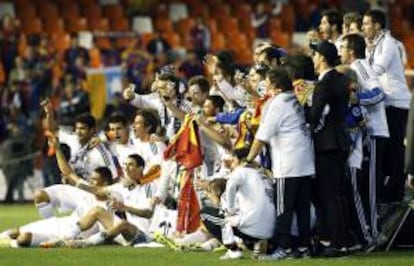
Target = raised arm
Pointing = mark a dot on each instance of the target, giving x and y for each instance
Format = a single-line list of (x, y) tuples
[(214, 135), (50, 117)]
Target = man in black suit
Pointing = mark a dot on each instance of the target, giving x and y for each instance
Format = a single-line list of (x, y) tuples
[(331, 142)]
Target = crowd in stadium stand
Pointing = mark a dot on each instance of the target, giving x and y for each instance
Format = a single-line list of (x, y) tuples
[(250, 143)]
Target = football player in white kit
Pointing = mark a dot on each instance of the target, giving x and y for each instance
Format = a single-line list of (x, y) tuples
[(122, 144), (127, 195), (146, 123), (249, 212), (40, 232), (83, 160)]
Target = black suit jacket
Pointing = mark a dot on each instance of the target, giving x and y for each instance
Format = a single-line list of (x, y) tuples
[(330, 133)]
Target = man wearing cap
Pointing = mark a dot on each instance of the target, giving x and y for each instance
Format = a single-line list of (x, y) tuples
[(331, 141)]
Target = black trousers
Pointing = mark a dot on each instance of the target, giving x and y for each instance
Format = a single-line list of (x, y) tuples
[(292, 195), (394, 155), (213, 220), (330, 198)]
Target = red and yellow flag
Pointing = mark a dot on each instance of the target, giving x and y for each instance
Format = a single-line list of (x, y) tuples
[(185, 146)]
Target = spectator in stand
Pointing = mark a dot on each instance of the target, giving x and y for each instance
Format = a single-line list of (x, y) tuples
[(15, 164), (9, 36), (73, 52), (191, 66), (73, 103), (137, 65), (112, 55), (18, 73), (200, 38), (331, 27), (158, 45), (78, 70), (260, 21)]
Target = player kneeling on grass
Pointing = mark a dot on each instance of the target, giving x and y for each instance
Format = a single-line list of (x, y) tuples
[(201, 239), (127, 196), (247, 211)]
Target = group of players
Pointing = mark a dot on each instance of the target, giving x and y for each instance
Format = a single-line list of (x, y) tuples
[(280, 149)]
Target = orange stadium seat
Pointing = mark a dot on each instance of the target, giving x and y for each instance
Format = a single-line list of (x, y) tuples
[(62, 42), (281, 38), (99, 24), (70, 11), (198, 10), (91, 11), (218, 42), (183, 26), (103, 43), (173, 39), (146, 38), (27, 12), (163, 24), (55, 27), (77, 24), (243, 11), (32, 26), (229, 25), (212, 25), (21, 3), (120, 24), (113, 12), (48, 11), (220, 11)]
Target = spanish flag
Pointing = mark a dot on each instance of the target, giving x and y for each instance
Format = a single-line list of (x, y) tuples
[(186, 149), (185, 146)]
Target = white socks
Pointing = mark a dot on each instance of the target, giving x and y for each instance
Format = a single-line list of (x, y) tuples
[(96, 239), (193, 238), (45, 209)]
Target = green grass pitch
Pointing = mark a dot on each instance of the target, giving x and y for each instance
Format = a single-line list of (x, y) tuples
[(12, 215)]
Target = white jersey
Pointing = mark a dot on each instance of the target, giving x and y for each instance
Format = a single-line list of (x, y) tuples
[(283, 126), (122, 151), (153, 101), (385, 58), (231, 93), (371, 98), (151, 152), (85, 160), (255, 206), (138, 197)]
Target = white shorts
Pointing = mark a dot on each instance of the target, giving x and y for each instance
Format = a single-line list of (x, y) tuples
[(48, 229), (67, 198)]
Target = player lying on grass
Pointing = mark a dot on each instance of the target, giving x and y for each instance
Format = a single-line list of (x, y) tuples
[(127, 195), (40, 232)]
